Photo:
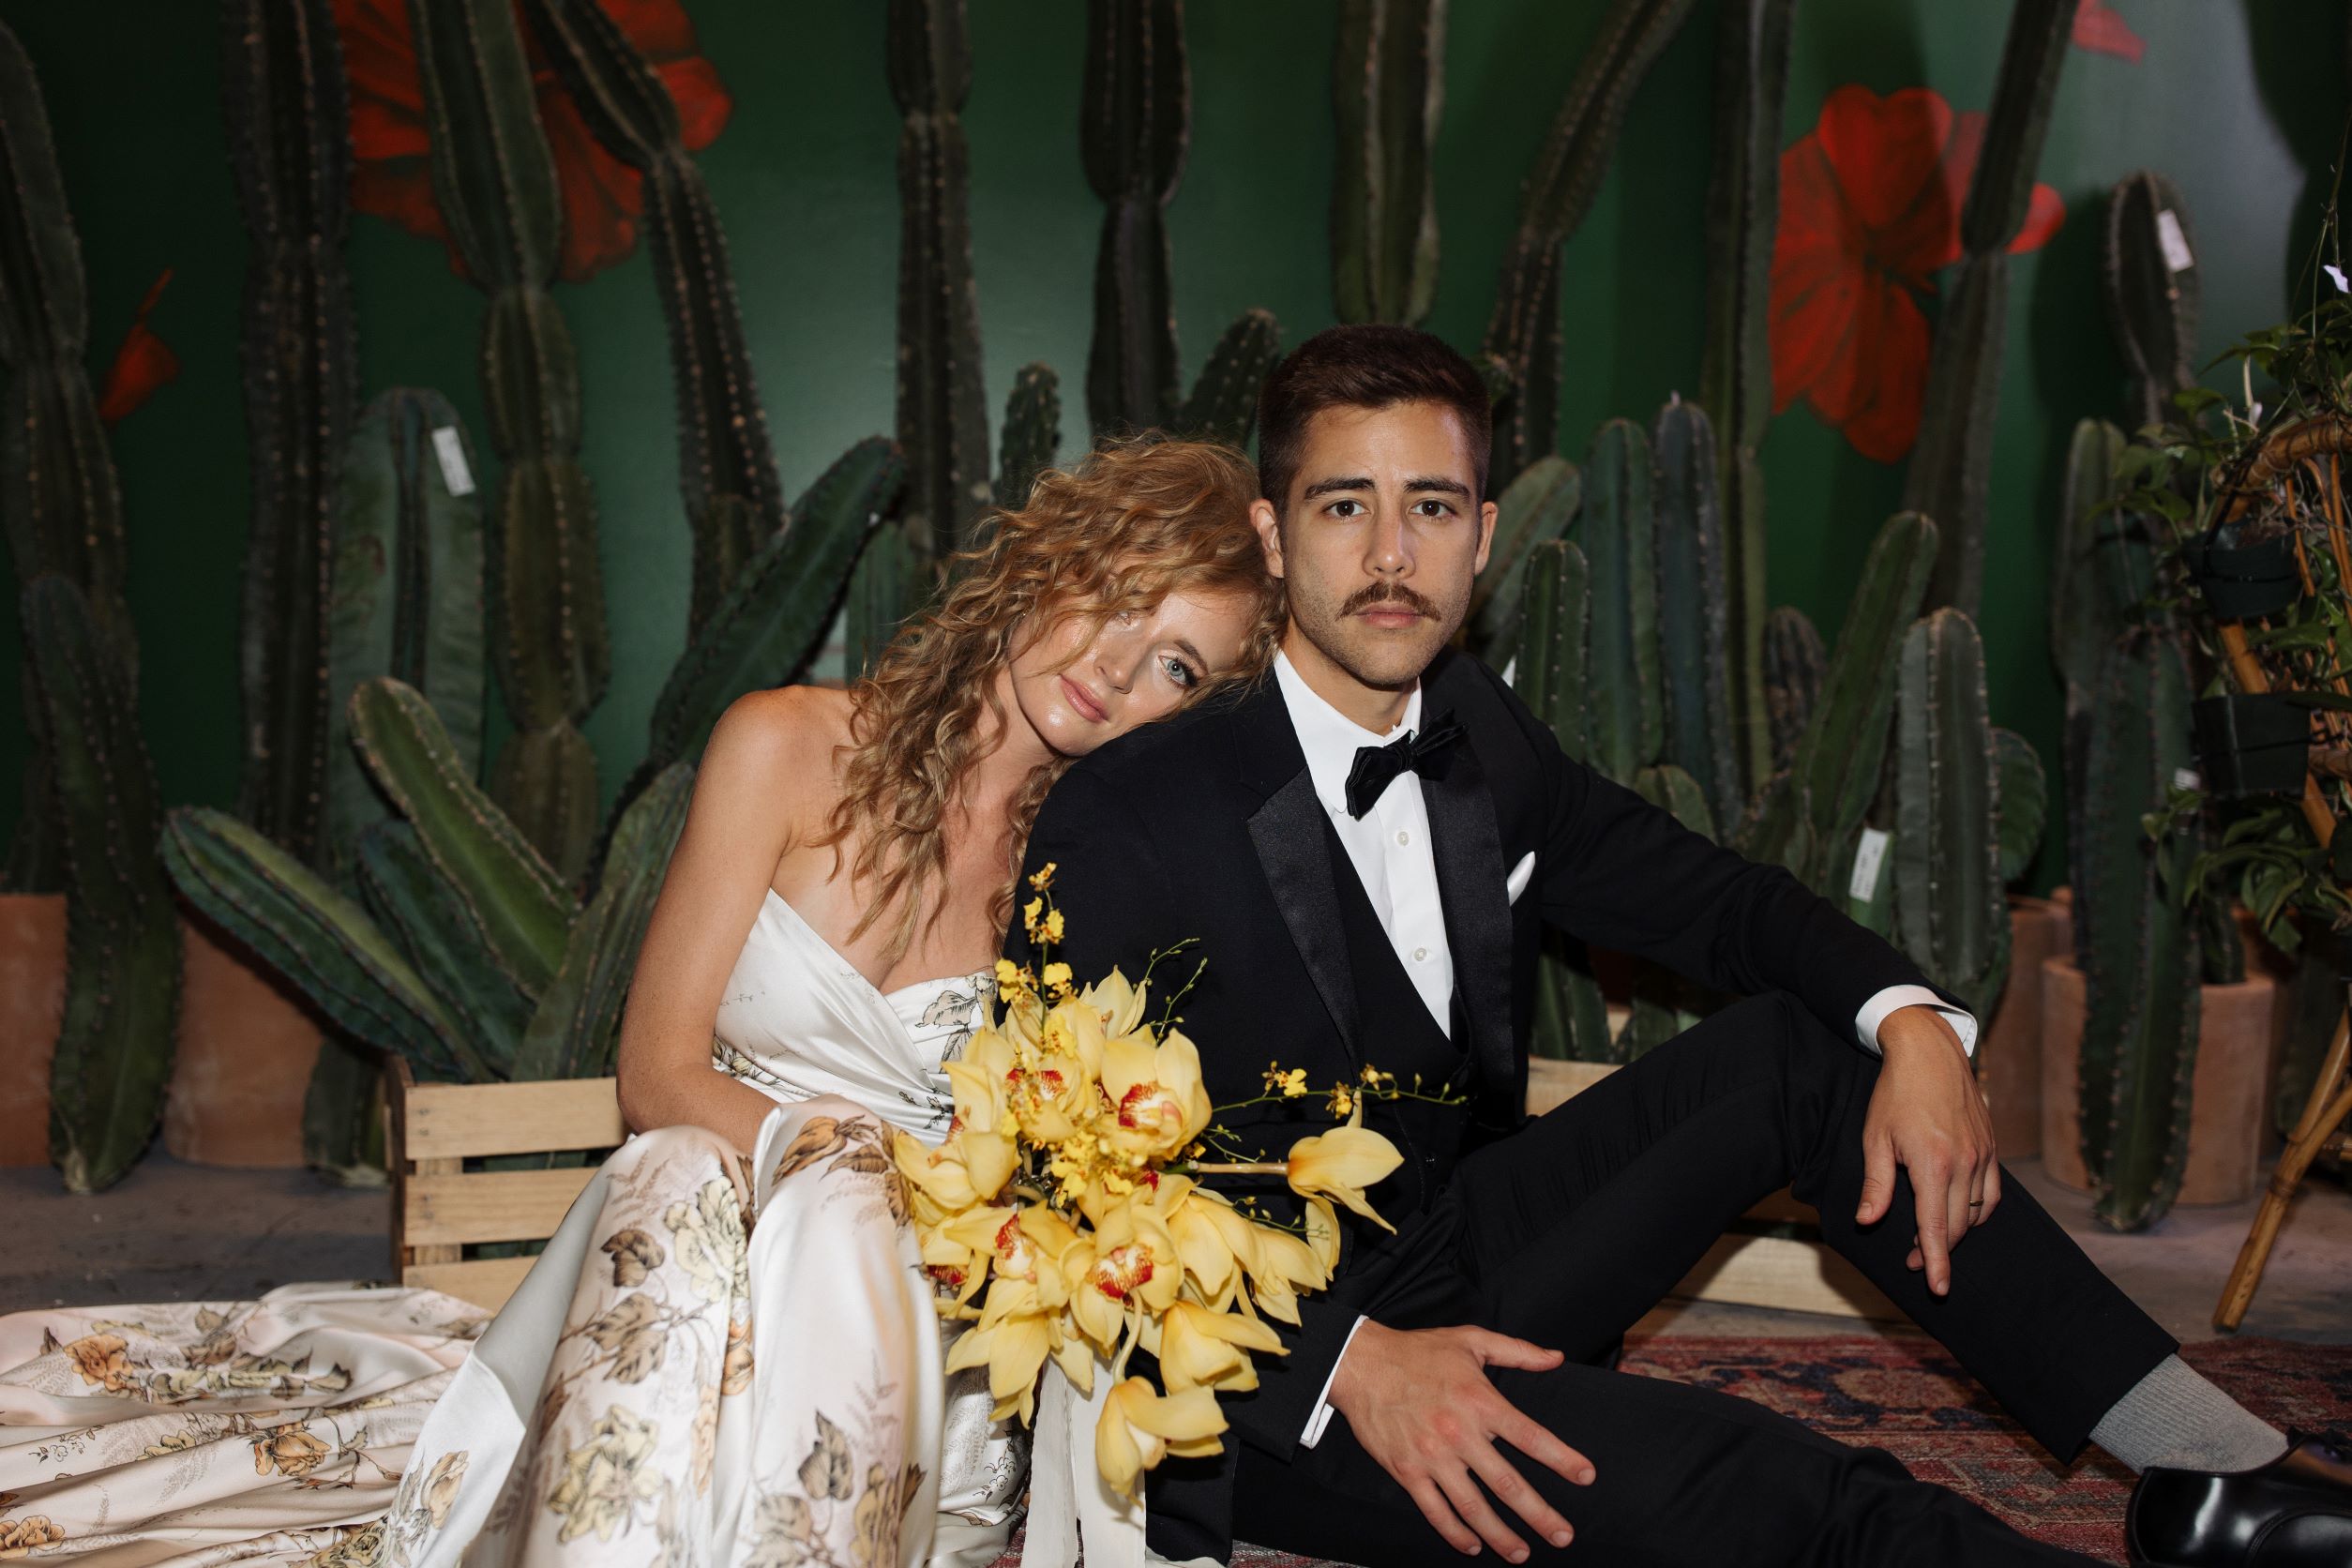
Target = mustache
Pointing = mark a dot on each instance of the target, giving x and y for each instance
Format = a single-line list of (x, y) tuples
[(1402, 595)]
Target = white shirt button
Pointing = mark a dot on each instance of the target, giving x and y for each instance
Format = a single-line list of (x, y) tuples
[(1420, 954), (1403, 837)]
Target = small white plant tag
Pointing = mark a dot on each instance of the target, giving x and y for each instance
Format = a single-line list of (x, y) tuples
[(2172, 242), (1869, 855), (451, 451), (2186, 778)]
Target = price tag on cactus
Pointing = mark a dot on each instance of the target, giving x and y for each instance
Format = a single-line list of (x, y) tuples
[(1870, 855), (2172, 242), (451, 451), (2186, 778)]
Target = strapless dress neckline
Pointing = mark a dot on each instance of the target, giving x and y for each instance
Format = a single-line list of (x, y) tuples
[(931, 985)]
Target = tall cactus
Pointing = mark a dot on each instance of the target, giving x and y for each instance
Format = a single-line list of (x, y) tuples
[(495, 183), (1571, 1020), (942, 414), (2150, 261), (1030, 437), (406, 593), (1522, 338), (1793, 662), (1535, 509), (1617, 531), (1135, 122), (115, 1043), (60, 507), (1952, 915), (725, 461), (1223, 402), (289, 144), (1951, 466), (1735, 380), (1694, 611), (1388, 93), (2140, 1027)]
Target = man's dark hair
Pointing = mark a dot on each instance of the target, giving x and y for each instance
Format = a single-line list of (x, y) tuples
[(1365, 366)]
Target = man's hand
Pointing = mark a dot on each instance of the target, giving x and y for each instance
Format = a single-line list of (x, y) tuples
[(1419, 1402), (1927, 1117)]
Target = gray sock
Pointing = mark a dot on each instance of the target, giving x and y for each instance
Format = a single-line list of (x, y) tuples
[(2174, 1417)]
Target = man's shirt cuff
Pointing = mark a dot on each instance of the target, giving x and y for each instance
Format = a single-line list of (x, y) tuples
[(1874, 1010), (1320, 1416)]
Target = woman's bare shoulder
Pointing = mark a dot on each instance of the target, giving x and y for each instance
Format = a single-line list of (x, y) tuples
[(778, 747)]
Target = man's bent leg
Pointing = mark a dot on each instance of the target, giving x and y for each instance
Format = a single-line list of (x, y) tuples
[(1683, 1476)]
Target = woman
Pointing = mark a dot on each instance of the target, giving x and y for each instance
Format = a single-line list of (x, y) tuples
[(728, 1353)]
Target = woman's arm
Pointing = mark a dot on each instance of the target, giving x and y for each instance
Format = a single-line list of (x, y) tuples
[(762, 782)]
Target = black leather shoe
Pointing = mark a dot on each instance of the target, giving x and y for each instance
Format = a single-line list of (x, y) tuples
[(2295, 1512)]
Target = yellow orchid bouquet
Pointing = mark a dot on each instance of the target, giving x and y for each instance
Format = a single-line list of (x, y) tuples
[(1064, 1213)]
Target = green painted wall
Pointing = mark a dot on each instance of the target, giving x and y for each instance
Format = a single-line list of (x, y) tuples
[(2240, 103)]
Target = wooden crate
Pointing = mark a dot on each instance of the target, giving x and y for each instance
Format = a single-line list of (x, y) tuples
[(438, 1206)]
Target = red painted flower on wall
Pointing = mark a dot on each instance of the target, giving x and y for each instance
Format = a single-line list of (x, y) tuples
[(2101, 28), (144, 363), (392, 176), (1870, 207)]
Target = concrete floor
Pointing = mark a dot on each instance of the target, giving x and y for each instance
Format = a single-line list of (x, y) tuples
[(173, 1232)]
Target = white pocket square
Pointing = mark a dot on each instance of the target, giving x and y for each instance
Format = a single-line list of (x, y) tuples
[(1521, 874)]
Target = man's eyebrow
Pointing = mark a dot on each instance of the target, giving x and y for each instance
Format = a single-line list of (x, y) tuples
[(1442, 485), (1326, 487)]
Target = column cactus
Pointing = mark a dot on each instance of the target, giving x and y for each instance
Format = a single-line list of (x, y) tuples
[(1793, 661), (2149, 260), (1030, 437), (1617, 531), (1522, 340), (1950, 910), (1388, 93), (1735, 381), (1951, 465), (1134, 125), (1533, 510), (60, 507), (114, 1052), (1694, 596), (290, 146), (943, 415), (725, 461), (495, 183), (1570, 1018), (2140, 1027)]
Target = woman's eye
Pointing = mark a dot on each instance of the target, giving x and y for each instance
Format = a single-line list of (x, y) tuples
[(1178, 670), (1128, 617)]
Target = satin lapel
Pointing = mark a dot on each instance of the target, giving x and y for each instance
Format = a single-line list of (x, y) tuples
[(1469, 851), (1288, 832)]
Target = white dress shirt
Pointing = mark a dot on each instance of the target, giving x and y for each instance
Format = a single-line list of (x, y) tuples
[(1389, 848)]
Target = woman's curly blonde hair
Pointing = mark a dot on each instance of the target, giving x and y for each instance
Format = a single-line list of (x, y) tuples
[(1121, 529)]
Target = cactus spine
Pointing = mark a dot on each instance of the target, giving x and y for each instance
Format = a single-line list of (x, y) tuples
[(59, 505), (115, 1042), (1388, 93), (290, 145), (1617, 532), (2152, 305), (1694, 619), (943, 415), (1134, 125), (726, 462), (1951, 914), (1570, 1020), (1522, 338), (2140, 1027), (495, 183), (1953, 462)]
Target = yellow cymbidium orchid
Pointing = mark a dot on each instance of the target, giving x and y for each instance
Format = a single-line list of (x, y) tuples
[(1118, 1003), (1343, 1162), (1156, 1093), (1138, 1427), (1129, 1262), (1201, 1347), (1012, 1340), (969, 1167)]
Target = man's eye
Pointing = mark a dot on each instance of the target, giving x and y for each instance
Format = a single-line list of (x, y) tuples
[(1433, 508), (1178, 670), (1352, 508)]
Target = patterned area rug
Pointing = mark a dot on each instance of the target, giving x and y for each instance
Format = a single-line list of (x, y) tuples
[(1904, 1394)]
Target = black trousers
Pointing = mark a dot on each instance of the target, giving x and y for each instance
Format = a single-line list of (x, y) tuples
[(1567, 1232)]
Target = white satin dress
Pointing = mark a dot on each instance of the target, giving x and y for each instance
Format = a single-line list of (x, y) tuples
[(714, 1362)]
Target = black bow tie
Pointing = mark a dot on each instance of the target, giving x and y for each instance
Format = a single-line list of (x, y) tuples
[(1377, 766)]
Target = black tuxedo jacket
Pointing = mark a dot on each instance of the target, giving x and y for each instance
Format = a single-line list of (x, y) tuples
[(1206, 826)]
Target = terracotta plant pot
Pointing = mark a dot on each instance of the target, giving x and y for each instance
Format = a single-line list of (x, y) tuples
[(32, 1001), (2228, 1095), (2009, 1058), (244, 1056)]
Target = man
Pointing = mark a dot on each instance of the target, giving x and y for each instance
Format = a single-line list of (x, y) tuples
[(1365, 847)]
